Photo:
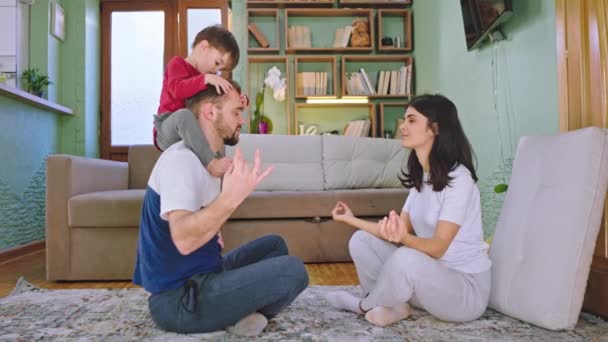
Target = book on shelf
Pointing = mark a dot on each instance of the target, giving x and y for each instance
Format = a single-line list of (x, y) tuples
[(394, 82), (357, 128), (370, 87), (258, 35), (299, 36), (310, 83)]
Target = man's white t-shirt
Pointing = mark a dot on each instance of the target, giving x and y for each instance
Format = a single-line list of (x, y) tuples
[(182, 182), (458, 203), (178, 182)]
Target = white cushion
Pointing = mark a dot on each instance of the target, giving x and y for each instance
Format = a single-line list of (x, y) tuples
[(546, 233), (354, 162), (297, 160)]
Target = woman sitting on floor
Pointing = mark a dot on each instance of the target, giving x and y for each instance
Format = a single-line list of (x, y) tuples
[(432, 255)]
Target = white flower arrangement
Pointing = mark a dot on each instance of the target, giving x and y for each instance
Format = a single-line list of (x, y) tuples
[(276, 83)]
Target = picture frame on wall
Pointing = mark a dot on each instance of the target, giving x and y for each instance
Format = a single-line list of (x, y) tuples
[(57, 21)]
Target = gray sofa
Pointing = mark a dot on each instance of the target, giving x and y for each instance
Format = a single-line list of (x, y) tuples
[(93, 205)]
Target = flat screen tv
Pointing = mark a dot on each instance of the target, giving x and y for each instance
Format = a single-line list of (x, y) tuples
[(481, 19)]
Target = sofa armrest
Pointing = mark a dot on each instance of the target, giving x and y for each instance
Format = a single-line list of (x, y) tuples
[(67, 176)]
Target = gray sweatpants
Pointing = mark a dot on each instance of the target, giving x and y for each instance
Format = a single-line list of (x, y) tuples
[(392, 275), (182, 125)]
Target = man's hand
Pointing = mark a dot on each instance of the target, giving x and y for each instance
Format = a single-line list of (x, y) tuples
[(221, 85), (241, 179), (392, 229), (341, 211)]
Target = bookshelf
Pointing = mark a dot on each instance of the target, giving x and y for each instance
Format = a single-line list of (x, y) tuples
[(316, 54)]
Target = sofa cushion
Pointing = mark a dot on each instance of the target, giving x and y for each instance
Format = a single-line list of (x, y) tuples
[(297, 160), (309, 204), (545, 236), (119, 208), (352, 162), (142, 159)]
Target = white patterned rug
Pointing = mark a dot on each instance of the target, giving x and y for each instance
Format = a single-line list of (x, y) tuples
[(32, 314)]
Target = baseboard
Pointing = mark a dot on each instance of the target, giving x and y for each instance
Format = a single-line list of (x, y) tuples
[(18, 251)]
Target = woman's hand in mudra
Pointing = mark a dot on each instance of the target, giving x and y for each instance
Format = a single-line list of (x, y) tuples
[(392, 229), (341, 212)]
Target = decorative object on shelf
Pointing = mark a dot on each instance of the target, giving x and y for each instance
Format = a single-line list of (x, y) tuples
[(397, 42), (258, 35), (57, 21), (261, 123), (310, 130), (334, 132), (360, 34), (387, 41), (35, 82), (276, 83)]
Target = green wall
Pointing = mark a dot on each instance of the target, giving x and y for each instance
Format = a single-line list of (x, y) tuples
[(28, 136), (503, 91), (31, 134)]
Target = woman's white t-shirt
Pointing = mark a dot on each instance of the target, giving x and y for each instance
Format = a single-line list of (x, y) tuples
[(457, 203)]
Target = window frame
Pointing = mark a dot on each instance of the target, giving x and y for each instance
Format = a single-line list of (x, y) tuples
[(175, 44)]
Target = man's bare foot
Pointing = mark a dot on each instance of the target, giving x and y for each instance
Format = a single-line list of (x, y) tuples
[(250, 325)]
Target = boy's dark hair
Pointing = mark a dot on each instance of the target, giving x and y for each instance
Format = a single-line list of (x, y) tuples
[(221, 39), (208, 95), (450, 147)]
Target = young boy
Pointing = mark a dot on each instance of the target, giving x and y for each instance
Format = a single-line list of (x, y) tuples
[(214, 49)]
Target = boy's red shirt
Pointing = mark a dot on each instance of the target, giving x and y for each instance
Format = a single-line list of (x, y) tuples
[(181, 80)]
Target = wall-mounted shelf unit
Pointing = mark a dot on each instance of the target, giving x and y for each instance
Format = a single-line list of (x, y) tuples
[(329, 62)]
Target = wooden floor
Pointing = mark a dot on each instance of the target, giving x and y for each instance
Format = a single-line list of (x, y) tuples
[(32, 268)]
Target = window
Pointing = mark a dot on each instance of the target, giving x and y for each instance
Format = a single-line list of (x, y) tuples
[(138, 39), (14, 41)]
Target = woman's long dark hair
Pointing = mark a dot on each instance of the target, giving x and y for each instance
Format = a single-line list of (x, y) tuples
[(450, 147)]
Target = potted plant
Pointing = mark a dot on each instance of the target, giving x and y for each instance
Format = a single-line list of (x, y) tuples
[(262, 123), (35, 82)]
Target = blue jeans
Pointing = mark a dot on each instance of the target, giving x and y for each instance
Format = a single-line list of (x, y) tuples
[(257, 277)]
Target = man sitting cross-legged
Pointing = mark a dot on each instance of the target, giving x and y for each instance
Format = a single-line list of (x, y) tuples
[(193, 288)]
